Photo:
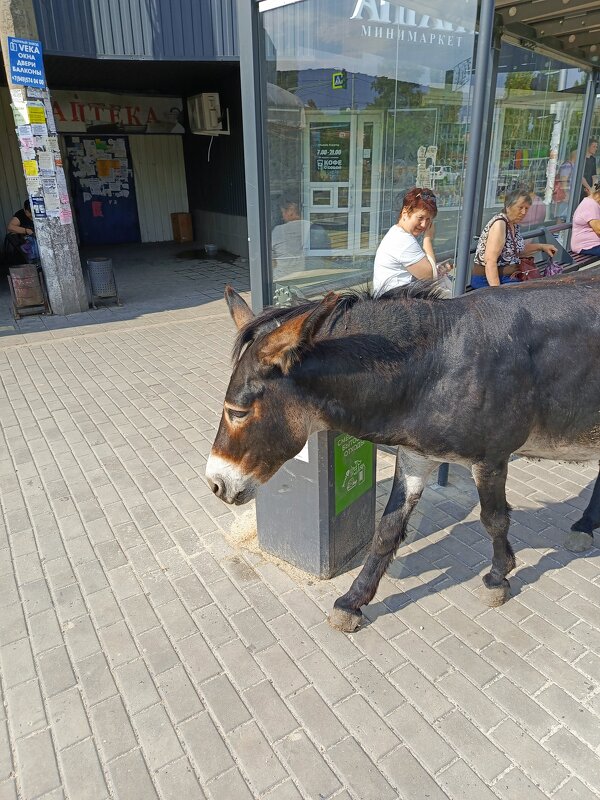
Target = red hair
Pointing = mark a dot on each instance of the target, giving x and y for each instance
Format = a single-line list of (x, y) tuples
[(420, 200)]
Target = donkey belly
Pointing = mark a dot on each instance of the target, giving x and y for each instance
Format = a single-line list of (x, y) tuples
[(584, 446)]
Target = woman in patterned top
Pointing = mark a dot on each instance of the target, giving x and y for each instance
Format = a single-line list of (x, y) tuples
[(501, 245)]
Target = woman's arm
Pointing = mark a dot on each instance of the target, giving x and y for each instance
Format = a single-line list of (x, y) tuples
[(14, 226), (495, 243), (535, 247), (422, 270), (428, 242), (595, 226)]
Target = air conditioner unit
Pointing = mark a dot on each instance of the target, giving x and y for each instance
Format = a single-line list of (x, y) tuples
[(205, 115)]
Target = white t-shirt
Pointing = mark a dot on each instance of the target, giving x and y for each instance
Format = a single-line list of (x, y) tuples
[(397, 251), (290, 242)]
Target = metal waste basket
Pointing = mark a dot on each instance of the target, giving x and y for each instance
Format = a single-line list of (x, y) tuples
[(102, 279)]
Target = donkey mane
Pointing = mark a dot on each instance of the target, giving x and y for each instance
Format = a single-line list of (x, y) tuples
[(271, 317)]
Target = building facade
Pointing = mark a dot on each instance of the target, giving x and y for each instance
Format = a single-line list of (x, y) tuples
[(355, 101)]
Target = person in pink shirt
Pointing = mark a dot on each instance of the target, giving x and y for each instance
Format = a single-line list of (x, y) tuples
[(586, 224)]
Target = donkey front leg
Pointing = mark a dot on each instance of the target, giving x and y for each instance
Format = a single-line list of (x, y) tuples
[(410, 475), (581, 537), (491, 485)]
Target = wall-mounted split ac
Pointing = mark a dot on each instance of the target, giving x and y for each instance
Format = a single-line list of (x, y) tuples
[(205, 115)]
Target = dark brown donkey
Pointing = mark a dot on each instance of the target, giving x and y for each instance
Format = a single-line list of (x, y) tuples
[(471, 380)]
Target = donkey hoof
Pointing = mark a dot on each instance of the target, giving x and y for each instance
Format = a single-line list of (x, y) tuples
[(494, 596), (345, 619), (579, 541)]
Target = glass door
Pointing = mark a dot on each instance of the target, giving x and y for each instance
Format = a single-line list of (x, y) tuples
[(342, 179)]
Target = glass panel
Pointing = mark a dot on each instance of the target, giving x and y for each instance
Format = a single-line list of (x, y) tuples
[(329, 152), (368, 98), (365, 229), (334, 226), (538, 113), (321, 197)]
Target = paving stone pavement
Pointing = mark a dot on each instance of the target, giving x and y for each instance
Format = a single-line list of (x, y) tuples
[(144, 654)]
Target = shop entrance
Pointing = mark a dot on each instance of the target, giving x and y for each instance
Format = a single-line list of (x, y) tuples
[(103, 189), (342, 170)]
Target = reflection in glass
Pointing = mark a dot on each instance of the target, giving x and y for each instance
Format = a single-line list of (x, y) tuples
[(538, 111), (399, 118)]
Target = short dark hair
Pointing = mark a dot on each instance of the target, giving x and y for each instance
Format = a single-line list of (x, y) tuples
[(27, 205)]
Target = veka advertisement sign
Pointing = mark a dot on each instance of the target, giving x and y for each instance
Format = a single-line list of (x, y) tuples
[(26, 62)]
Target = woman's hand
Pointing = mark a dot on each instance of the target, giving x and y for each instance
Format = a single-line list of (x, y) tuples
[(549, 249), (444, 267)]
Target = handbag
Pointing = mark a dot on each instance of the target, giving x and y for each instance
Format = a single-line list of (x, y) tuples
[(527, 269)]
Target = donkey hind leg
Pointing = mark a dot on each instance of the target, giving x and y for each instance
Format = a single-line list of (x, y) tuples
[(581, 537), (491, 485), (410, 476)]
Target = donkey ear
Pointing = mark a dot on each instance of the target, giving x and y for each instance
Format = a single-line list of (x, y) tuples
[(285, 346), (240, 311)]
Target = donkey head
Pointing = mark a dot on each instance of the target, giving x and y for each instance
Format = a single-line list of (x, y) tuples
[(266, 416)]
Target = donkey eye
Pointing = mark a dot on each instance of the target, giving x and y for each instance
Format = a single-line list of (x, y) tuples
[(236, 413)]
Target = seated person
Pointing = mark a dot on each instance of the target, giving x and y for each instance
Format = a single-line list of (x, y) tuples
[(291, 240), (501, 245), (400, 257), (586, 224), (21, 233)]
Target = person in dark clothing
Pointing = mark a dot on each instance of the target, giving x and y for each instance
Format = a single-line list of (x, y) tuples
[(20, 234), (21, 222), (589, 169)]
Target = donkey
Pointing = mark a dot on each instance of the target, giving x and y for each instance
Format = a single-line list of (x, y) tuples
[(471, 380)]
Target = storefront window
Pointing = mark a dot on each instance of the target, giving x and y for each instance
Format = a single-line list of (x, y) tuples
[(538, 114), (366, 99)]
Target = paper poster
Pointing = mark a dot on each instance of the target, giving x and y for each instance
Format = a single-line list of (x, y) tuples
[(46, 163), (52, 206), (32, 182), (19, 115), (30, 167), (38, 207), (49, 116), (27, 154), (37, 114), (16, 95), (66, 217), (49, 186), (39, 129), (53, 144), (103, 167), (33, 92), (24, 130)]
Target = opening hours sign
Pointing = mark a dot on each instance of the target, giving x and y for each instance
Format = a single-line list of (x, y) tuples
[(26, 62)]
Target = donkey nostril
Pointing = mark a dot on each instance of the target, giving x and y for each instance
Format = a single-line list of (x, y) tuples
[(217, 486)]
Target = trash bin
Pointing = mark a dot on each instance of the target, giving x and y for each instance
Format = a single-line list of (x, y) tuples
[(318, 511), (102, 279)]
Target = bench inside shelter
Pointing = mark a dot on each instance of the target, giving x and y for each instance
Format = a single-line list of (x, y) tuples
[(553, 234)]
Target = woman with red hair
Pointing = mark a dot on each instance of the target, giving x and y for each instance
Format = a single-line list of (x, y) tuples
[(400, 257)]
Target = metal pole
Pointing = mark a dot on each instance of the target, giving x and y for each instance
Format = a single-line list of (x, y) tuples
[(486, 137), (251, 40), (591, 90), (481, 87)]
